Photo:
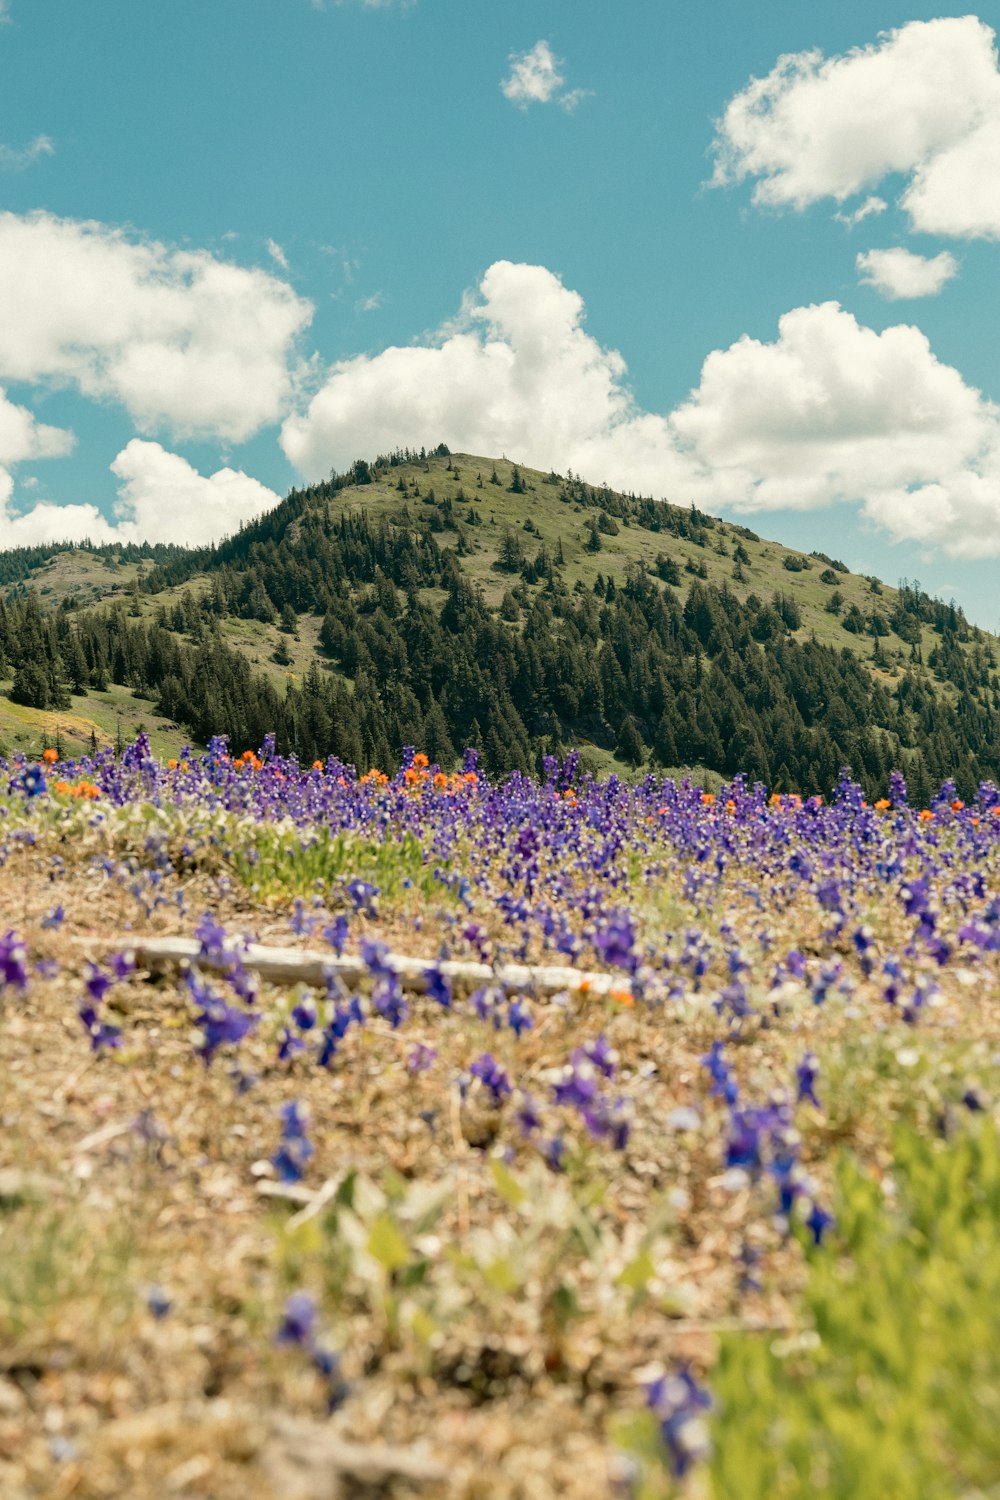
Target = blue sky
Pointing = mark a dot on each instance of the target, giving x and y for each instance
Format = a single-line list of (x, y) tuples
[(244, 241)]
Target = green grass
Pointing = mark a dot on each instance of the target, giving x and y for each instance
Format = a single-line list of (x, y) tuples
[(891, 1386), (279, 864), (104, 716)]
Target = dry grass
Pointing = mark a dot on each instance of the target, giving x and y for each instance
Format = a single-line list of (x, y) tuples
[(506, 1332)]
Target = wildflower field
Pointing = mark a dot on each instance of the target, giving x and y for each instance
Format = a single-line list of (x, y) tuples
[(665, 1164)]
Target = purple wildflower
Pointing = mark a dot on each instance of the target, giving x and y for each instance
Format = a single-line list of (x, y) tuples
[(13, 961), (492, 1076), (806, 1073), (679, 1404)]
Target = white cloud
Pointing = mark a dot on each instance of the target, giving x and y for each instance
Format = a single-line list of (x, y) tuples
[(923, 101), (535, 78), (22, 437), (370, 304), (957, 191), (278, 255), (161, 498), (828, 411), (515, 373), (14, 160), (184, 341), (898, 273), (872, 206)]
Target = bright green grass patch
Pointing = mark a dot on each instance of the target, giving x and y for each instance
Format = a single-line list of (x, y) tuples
[(279, 864), (892, 1387)]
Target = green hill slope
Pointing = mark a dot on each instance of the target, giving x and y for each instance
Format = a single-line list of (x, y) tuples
[(445, 599)]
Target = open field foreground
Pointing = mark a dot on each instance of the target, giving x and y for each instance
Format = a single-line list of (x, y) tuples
[(724, 1224)]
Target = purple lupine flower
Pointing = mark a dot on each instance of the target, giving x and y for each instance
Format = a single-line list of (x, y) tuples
[(212, 937), (421, 1058), (336, 934), (806, 1073), (553, 1152), (438, 989), (13, 961), (577, 1085), (96, 983), (527, 1115), (818, 1222), (365, 896), (615, 941), (724, 1085), (159, 1302), (295, 1148), (337, 1388), (100, 1032), (298, 1325), (492, 1076), (122, 964), (344, 1016), (519, 1017), (301, 924), (304, 1014), (679, 1404), (31, 782), (388, 1001), (219, 1024), (375, 956), (600, 1053)]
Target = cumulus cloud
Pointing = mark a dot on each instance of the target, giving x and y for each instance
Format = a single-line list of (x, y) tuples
[(22, 437), (161, 498), (534, 78), (15, 160), (828, 411), (184, 341), (923, 101), (517, 372), (898, 273)]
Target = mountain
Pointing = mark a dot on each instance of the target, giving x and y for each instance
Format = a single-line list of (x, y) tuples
[(447, 599)]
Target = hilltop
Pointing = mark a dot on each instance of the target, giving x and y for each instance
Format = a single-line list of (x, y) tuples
[(444, 599)]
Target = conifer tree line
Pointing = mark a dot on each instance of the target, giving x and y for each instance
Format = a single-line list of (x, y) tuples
[(661, 668)]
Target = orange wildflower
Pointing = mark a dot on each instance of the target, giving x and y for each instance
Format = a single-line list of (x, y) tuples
[(957, 805), (707, 799), (621, 997), (317, 765), (926, 815), (50, 756), (440, 779), (883, 804), (171, 764), (420, 760), (730, 807)]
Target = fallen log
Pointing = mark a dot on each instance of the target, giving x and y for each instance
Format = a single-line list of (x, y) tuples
[(312, 966)]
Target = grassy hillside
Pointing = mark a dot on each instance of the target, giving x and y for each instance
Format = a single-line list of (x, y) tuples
[(530, 548)]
